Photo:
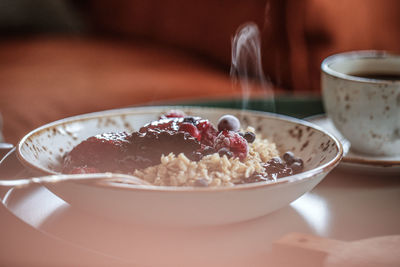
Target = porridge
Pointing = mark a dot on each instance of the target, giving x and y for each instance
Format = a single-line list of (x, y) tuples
[(181, 150)]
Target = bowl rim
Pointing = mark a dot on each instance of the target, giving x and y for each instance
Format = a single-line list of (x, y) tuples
[(145, 109)]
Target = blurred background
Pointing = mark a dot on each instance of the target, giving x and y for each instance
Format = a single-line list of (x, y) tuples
[(60, 58)]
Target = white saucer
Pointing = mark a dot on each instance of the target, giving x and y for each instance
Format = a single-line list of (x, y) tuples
[(353, 160)]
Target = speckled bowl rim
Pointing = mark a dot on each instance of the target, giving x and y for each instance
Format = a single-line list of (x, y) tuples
[(145, 109), (361, 54)]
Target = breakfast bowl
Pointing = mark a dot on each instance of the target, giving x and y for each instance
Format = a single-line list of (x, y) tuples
[(43, 150)]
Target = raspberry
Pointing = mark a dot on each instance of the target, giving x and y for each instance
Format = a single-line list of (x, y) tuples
[(207, 131), (174, 113), (233, 142), (101, 151), (191, 129)]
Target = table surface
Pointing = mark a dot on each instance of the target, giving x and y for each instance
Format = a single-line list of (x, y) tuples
[(43, 230)]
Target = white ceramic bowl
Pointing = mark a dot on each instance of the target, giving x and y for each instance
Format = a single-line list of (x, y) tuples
[(43, 148)]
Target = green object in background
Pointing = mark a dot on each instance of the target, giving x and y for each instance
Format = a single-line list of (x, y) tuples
[(295, 106)]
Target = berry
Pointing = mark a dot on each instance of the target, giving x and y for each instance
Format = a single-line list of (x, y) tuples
[(191, 129), (171, 124), (207, 131), (174, 113), (296, 164), (225, 152), (289, 157), (191, 119), (229, 123), (249, 136), (233, 142)]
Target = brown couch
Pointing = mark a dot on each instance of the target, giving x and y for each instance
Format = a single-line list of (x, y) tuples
[(148, 51)]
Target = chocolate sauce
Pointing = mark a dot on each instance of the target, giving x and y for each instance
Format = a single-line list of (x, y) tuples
[(277, 168)]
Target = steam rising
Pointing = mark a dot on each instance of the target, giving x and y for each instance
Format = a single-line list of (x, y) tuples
[(246, 67)]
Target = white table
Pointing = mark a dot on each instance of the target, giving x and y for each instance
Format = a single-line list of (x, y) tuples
[(345, 206)]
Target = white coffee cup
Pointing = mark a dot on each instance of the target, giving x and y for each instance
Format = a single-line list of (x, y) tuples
[(366, 110)]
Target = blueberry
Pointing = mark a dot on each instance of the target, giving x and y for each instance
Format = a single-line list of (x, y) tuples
[(289, 157), (224, 151), (300, 161), (229, 123), (297, 166), (190, 119), (208, 150), (250, 137)]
